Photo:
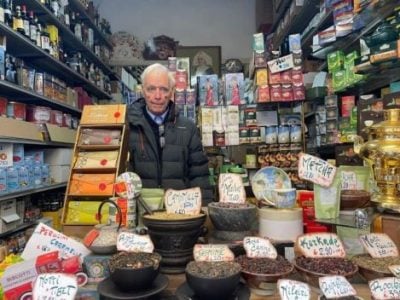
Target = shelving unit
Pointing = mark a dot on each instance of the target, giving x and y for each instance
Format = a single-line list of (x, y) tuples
[(69, 39), (19, 46), (19, 228), (31, 191), (20, 94)]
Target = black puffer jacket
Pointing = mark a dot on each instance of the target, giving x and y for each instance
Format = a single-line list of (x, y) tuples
[(180, 164)]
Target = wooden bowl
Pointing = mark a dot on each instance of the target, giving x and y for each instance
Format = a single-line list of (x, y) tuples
[(368, 273), (256, 281), (353, 199)]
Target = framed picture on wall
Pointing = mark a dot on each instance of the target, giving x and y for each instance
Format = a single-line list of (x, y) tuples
[(204, 60)]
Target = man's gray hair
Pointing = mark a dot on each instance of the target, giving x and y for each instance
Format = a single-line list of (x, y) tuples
[(157, 67)]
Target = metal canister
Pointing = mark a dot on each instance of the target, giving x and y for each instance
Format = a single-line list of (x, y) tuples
[(16, 110), (271, 134), (56, 117), (38, 114), (295, 134), (283, 134), (67, 121)]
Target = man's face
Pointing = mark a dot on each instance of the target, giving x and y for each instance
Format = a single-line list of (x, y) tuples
[(157, 92)]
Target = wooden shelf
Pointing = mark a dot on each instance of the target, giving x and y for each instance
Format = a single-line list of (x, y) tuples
[(376, 14), (25, 192), (98, 147), (85, 16), (19, 228), (20, 94), (20, 46), (68, 37)]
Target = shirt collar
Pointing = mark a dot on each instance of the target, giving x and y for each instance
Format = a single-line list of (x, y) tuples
[(154, 117)]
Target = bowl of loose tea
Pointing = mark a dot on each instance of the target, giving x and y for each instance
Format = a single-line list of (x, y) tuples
[(373, 268), (322, 297), (312, 268), (132, 271), (213, 280), (257, 271)]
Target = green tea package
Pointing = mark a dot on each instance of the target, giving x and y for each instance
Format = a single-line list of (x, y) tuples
[(350, 238), (355, 177), (327, 199)]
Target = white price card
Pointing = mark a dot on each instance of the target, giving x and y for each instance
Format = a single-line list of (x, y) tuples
[(293, 290), (231, 189), (187, 202), (211, 252), (55, 286), (379, 245), (316, 170), (320, 245), (259, 247), (132, 242), (336, 286), (385, 288)]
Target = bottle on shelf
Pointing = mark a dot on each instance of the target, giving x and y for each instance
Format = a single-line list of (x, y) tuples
[(78, 27), (18, 23), (38, 33), (1, 11), (45, 39), (66, 16), (32, 26), (25, 20), (8, 17), (72, 21), (55, 8)]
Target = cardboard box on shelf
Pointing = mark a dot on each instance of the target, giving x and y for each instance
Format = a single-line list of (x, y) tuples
[(59, 173), (8, 215), (58, 156)]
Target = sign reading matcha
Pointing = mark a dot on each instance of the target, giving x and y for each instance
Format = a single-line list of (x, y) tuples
[(316, 170)]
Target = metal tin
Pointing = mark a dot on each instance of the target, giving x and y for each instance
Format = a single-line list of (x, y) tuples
[(283, 134), (67, 121), (56, 117), (295, 134), (271, 135), (38, 114), (16, 110), (3, 107)]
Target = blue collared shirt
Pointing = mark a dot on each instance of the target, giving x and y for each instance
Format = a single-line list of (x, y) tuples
[(158, 119)]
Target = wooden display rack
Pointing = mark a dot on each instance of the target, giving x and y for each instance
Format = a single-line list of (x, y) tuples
[(109, 117)]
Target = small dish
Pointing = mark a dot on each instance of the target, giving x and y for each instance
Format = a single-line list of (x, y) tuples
[(269, 178)]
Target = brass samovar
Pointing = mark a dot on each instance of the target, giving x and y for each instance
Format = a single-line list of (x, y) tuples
[(382, 153)]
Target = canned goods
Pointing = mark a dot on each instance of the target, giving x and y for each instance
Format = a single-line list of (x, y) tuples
[(283, 134), (3, 107), (271, 135), (16, 110), (38, 114), (67, 121), (295, 134), (56, 118)]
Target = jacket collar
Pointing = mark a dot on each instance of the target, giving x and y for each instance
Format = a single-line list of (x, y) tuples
[(135, 112)]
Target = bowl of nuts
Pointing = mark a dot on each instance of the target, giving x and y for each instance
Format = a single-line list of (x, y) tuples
[(312, 269), (132, 271)]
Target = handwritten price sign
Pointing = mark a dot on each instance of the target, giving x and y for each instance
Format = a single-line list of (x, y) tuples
[(259, 247), (316, 170), (385, 288), (212, 253), (336, 287), (231, 188), (293, 290), (379, 245), (187, 202), (320, 245), (55, 286), (131, 242)]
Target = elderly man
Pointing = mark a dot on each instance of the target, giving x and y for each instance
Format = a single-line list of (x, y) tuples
[(165, 148)]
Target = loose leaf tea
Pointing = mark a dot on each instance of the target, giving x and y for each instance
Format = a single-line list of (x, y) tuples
[(395, 269), (206, 269), (378, 264), (264, 265), (326, 265)]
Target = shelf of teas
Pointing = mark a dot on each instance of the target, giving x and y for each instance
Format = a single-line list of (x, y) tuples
[(20, 94), (69, 39), (20, 46), (30, 191)]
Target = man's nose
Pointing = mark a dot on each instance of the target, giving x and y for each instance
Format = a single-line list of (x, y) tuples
[(158, 93)]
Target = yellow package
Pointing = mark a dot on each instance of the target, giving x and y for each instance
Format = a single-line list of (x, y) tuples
[(84, 212)]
